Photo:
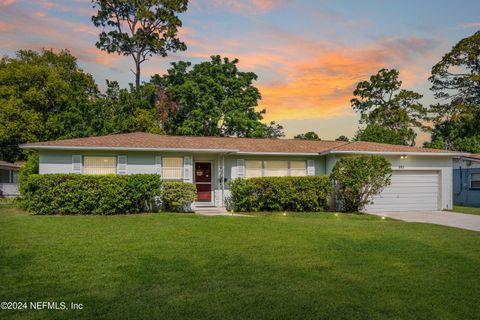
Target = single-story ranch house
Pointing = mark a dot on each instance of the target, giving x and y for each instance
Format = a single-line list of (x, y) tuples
[(422, 178), (466, 180)]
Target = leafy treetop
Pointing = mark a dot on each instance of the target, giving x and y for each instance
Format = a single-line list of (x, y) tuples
[(376, 133), (213, 98), (139, 28), (310, 135), (381, 101), (456, 85)]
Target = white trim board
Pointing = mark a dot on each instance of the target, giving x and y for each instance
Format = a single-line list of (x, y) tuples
[(449, 154)]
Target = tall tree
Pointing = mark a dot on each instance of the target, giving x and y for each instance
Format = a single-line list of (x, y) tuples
[(139, 28), (310, 135), (214, 98), (376, 133), (382, 102), (122, 110), (43, 96), (456, 85)]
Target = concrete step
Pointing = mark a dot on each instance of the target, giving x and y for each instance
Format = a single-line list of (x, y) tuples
[(200, 209)]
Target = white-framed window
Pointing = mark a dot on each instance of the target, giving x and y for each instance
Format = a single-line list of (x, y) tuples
[(275, 168), (475, 180), (253, 168), (99, 165), (298, 168), (172, 168)]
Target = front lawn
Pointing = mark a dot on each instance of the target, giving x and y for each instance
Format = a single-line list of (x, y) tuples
[(469, 210), (174, 266)]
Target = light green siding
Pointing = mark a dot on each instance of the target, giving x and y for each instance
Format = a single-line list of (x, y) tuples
[(144, 162)]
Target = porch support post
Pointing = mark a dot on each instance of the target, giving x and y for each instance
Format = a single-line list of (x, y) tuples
[(223, 180)]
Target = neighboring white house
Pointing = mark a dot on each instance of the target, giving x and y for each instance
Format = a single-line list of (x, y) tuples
[(422, 178), (8, 179)]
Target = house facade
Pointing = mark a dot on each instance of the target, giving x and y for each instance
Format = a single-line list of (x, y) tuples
[(466, 180), (422, 178), (8, 179)]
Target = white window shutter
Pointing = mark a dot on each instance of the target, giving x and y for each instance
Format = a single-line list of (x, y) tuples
[(158, 164), (77, 164), (240, 168), (310, 167), (187, 169), (122, 165)]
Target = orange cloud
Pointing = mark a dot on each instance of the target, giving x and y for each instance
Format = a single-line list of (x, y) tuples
[(4, 26), (7, 2), (320, 84), (54, 33)]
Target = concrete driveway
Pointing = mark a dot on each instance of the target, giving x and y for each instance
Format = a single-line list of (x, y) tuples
[(445, 218)]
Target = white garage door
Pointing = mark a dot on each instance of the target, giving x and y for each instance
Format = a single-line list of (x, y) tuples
[(409, 191)]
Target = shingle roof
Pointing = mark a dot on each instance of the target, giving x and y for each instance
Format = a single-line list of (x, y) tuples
[(148, 141), (363, 146)]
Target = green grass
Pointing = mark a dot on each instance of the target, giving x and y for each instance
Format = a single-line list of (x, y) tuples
[(469, 210), (299, 266)]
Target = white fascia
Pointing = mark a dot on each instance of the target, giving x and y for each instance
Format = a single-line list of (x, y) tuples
[(279, 153), (385, 153)]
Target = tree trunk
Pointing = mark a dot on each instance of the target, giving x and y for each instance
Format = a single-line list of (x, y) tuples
[(137, 74)]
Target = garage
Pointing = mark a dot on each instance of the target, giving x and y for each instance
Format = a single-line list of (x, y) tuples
[(409, 191)]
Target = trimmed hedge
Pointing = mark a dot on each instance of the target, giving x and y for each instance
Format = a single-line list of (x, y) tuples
[(300, 194), (90, 194), (177, 196)]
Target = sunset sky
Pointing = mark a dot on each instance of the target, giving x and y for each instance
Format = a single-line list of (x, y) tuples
[(308, 54)]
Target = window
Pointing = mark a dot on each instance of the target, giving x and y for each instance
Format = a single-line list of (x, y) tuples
[(253, 168), (172, 168), (14, 176), (475, 180), (273, 168), (99, 165), (4, 176), (298, 168)]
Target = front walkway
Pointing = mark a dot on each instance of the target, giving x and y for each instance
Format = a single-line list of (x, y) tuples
[(215, 211), (445, 218)]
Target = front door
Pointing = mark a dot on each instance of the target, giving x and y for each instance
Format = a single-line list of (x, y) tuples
[(203, 181)]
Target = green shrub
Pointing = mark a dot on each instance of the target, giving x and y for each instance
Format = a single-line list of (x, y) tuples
[(358, 179), (142, 190), (298, 194), (177, 196), (89, 194), (31, 166)]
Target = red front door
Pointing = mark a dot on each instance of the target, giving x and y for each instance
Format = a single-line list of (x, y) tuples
[(203, 181)]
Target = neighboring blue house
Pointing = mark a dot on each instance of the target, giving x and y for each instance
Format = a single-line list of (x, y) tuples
[(466, 181)]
